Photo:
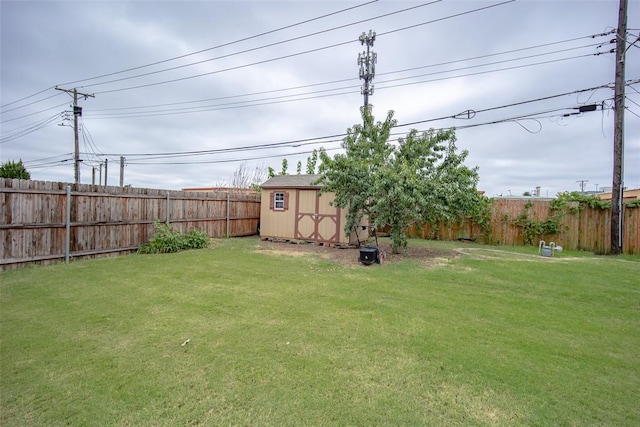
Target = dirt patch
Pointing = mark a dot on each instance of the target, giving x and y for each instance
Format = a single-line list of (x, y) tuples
[(427, 256), (349, 256)]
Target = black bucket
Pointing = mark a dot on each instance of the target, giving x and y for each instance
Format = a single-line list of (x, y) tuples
[(369, 255)]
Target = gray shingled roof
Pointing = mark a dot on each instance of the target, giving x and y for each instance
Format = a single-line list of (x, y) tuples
[(291, 181)]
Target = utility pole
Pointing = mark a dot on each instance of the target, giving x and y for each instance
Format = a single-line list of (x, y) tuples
[(77, 111), (122, 171), (618, 132), (106, 163), (582, 184), (367, 62)]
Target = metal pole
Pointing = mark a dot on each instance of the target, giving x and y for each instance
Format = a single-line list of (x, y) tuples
[(121, 171), (67, 244), (106, 163), (168, 197), (367, 60), (367, 79), (228, 210)]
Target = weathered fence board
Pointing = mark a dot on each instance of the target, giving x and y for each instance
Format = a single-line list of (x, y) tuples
[(108, 220)]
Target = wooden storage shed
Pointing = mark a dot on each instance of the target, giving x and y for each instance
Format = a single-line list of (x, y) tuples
[(291, 209)]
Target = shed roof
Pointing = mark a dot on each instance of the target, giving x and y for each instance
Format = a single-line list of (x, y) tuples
[(292, 181)]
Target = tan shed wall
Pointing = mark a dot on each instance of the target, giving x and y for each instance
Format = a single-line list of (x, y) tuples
[(308, 218), (274, 223)]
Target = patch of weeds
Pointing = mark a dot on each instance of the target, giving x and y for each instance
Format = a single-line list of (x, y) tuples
[(167, 240)]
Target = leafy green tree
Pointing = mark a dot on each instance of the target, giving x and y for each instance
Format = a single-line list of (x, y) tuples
[(14, 170), (312, 162), (421, 179)]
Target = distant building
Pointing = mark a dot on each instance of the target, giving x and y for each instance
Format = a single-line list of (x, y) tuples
[(231, 190), (627, 195)]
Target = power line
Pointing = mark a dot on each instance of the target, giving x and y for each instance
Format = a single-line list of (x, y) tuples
[(49, 158), (93, 111), (262, 47), (481, 72), (632, 112), (632, 101), (27, 97), (213, 107), (520, 117), (473, 58), (300, 96), (243, 148), (424, 23), (493, 122), (50, 163), (30, 129), (593, 36), (314, 141), (499, 121), (192, 53), (292, 54), (531, 116), (222, 45), (331, 138), (409, 27), (31, 103), (88, 144), (229, 160), (515, 104), (33, 114), (493, 63), (238, 67), (219, 98), (319, 140)]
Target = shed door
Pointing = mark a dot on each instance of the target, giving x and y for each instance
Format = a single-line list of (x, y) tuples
[(316, 220)]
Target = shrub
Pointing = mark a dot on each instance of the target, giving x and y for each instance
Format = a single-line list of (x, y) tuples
[(195, 239), (14, 170), (167, 240)]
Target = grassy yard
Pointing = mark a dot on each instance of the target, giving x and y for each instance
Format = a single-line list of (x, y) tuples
[(484, 338)]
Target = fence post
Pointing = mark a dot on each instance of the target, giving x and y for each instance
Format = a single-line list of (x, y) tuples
[(67, 243), (168, 197), (228, 211)]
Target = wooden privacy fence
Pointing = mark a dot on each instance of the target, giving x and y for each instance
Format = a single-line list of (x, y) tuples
[(587, 229), (42, 222), (37, 218)]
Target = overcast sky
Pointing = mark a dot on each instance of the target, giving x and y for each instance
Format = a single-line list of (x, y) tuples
[(267, 80)]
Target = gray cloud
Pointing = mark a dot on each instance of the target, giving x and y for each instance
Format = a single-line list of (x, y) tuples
[(49, 43)]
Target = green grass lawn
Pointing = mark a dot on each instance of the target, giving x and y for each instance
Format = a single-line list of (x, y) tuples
[(485, 338)]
